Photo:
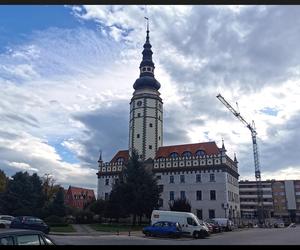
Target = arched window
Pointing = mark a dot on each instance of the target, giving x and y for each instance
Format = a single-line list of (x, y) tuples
[(120, 159), (200, 152), (186, 154), (174, 155)]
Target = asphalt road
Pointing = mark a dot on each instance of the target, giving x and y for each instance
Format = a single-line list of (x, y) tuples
[(254, 236)]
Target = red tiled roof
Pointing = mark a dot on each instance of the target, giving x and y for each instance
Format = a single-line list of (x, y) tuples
[(210, 148), (121, 153), (79, 191)]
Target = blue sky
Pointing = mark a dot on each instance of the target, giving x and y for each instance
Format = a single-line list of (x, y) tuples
[(66, 75)]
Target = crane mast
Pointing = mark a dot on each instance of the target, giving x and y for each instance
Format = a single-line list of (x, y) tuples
[(260, 212)]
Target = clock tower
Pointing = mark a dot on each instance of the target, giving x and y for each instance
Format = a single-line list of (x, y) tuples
[(146, 109)]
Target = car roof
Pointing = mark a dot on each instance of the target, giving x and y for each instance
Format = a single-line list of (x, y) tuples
[(18, 231)]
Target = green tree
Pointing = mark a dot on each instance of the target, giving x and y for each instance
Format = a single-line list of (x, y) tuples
[(23, 195), (180, 205), (98, 207), (3, 181), (57, 206), (137, 191)]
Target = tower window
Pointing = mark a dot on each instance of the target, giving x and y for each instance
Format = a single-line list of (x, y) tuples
[(148, 68), (139, 103), (138, 136), (139, 114), (150, 146), (150, 125)]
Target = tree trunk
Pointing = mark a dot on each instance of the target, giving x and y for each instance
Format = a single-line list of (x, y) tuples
[(134, 220)]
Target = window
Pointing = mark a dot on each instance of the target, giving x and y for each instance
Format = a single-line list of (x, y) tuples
[(212, 177), (141, 156), (150, 125), (199, 195), (106, 196), (182, 194), (191, 221), (199, 214), (211, 213), (171, 178), (139, 103), (150, 146), (139, 114), (148, 68), (161, 188), (200, 153), (106, 182), (198, 177), (116, 182), (158, 177), (30, 239), (159, 138), (138, 136), (181, 178), (6, 241), (171, 195), (120, 159), (212, 195), (174, 155), (186, 154)]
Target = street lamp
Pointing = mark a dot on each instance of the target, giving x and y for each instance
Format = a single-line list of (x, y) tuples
[(225, 207)]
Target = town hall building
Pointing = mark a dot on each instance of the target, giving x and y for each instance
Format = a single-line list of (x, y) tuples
[(200, 172)]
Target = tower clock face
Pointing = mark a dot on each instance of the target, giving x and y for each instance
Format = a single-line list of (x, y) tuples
[(139, 103)]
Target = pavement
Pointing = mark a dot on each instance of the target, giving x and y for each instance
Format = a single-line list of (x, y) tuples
[(85, 230)]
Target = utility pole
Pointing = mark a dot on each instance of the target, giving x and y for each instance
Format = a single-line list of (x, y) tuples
[(251, 127)]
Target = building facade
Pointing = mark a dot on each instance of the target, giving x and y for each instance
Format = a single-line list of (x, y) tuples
[(281, 199), (78, 197), (201, 172), (249, 200)]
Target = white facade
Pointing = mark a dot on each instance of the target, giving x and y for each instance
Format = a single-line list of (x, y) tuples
[(146, 123)]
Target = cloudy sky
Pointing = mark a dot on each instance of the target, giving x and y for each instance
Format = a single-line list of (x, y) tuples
[(66, 76)]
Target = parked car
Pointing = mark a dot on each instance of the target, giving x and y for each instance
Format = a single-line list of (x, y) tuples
[(189, 222), (279, 224), (224, 223), (163, 228), (23, 237), (30, 222), (209, 226), (5, 221), (215, 226)]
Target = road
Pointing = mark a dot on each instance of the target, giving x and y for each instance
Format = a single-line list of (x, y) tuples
[(254, 236)]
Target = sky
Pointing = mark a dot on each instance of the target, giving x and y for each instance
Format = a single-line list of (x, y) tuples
[(66, 77)]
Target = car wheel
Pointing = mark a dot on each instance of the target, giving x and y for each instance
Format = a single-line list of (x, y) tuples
[(196, 235)]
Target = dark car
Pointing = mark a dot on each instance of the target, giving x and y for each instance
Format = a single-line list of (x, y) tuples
[(163, 228), (30, 222), (215, 226), (23, 237)]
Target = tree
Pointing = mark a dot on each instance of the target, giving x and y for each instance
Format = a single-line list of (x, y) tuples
[(57, 207), (49, 187), (3, 181), (23, 195), (180, 205), (137, 192), (98, 207)]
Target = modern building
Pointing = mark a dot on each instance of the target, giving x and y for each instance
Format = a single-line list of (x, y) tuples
[(249, 200), (281, 199), (201, 172), (78, 197)]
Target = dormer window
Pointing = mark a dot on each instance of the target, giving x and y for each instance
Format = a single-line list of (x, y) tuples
[(174, 155), (186, 154), (200, 153)]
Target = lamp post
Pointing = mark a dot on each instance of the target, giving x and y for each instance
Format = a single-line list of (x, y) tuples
[(225, 206)]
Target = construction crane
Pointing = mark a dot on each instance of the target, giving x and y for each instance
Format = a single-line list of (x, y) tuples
[(251, 127)]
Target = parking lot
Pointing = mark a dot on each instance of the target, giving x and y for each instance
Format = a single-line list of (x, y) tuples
[(253, 236)]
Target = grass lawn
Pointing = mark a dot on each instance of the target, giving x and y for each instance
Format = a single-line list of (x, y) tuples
[(66, 229), (115, 227)]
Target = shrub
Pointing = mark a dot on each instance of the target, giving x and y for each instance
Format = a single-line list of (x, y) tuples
[(55, 221), (84, 216)]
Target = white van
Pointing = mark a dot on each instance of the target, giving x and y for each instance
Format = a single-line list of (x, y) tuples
[(188, 221)]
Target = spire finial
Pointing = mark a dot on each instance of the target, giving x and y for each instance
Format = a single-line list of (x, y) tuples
[(223, 143), (100, 156), (147, 27)]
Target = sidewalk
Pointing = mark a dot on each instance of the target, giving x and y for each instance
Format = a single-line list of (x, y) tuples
[(85, 230)]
